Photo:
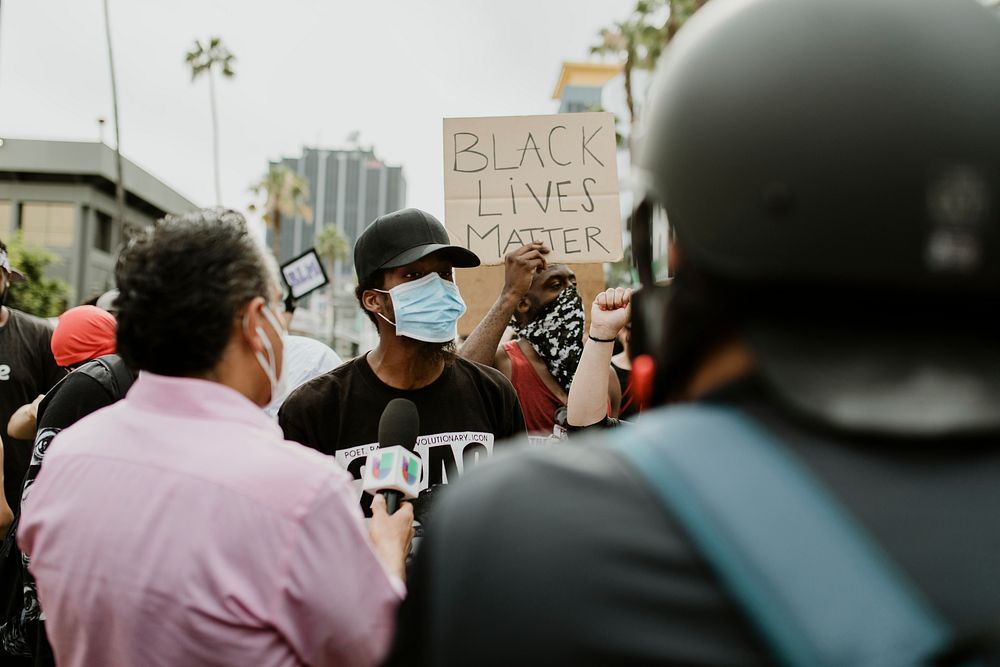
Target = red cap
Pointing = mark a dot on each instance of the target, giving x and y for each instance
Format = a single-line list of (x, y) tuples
[(83, 333)]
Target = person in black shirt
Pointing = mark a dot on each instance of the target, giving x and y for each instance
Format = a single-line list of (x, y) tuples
[(84, 343), (27, 370), (406, 286), (829, 171)]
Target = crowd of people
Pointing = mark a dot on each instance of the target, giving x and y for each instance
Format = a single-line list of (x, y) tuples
[(785, 456)]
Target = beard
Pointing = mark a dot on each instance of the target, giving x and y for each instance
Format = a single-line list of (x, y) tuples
[(435, 352)]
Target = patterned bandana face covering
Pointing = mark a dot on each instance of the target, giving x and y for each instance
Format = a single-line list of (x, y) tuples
[(557, 335)]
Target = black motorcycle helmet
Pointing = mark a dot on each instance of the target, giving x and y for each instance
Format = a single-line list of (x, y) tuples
[(837, 164)]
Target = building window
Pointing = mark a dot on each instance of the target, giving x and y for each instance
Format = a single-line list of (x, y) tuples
[(102, 235), (5, 220), (47, 224)]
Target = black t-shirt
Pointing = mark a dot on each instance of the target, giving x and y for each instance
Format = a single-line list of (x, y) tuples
[(27, 369), (586, 568), (462, 414), (94, 385), (85, 390)]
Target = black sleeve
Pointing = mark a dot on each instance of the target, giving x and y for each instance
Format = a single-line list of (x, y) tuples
[(516, 427), (73, 399), (78, 396), (508, 415), (291, 419), (304, 418)]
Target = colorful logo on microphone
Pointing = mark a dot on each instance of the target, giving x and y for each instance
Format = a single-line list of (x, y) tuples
[(411, 469), (382, 464)]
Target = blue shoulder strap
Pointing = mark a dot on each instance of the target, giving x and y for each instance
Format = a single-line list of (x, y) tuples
[(820, 592)]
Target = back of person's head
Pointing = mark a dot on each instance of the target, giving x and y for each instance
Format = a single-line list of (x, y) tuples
[(83, 333), (182, 285), (830, 170)]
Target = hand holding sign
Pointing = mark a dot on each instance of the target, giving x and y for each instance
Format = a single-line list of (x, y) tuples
[(521, 266), (304, 274), (513, 181)]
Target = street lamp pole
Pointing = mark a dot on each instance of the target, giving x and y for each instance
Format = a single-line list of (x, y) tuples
[(120, 179)]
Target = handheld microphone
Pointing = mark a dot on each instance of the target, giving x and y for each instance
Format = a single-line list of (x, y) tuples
[(394, 469)]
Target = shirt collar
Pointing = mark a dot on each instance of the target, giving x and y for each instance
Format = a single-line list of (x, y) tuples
[(198, 399)]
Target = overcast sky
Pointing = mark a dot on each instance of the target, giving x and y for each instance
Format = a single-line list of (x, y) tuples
[(308, 73)]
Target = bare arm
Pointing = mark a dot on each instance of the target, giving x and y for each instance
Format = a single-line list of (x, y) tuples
[(23, 423), (521, 266), (592, 388)]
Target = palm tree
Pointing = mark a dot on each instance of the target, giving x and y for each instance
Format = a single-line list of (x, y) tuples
[(119, 177), (680, 11), (331, 246), (285, 194), (639, 41), (204, 59)]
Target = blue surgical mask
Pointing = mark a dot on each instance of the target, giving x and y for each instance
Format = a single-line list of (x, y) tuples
[(427, 309)]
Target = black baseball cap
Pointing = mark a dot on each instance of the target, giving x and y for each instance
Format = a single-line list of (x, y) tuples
[(398, 238)]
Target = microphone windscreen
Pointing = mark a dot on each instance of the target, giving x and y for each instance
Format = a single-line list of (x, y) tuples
[(399, 424)]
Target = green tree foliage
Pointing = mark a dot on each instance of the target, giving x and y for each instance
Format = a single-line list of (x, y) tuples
[(331, 245), (38, 295), (639, 40), (285, 194)]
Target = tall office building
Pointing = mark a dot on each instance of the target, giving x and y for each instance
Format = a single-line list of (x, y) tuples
[(347, 189)]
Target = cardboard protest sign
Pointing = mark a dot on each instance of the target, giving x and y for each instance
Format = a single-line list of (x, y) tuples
[(512, 180), (481, 286), (304, 274)]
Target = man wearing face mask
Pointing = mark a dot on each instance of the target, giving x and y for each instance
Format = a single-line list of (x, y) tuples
[(404, 262), (541, 304), (27, 370), (176, 527)]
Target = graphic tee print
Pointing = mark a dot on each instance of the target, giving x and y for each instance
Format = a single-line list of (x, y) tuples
[(464, 415), (27, 369), (444, 456)]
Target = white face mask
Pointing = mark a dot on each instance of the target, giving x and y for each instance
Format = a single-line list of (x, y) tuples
[(269, 364)]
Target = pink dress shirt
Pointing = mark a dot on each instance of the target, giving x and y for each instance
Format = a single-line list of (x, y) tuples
[(177, 527)]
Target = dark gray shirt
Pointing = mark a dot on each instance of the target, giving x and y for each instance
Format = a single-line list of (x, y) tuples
[(601, 575)]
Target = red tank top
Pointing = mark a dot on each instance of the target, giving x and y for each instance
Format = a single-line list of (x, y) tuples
[(538, 403)]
